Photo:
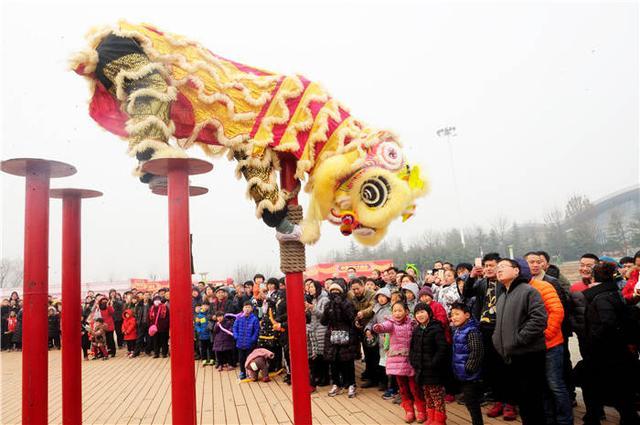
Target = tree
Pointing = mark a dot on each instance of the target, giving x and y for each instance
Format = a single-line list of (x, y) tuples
[(501, 227), (583, 237), (244, 272), (555, 234), (617, 239), (634, 230), (577, 204), (516, 239), (11, 272)]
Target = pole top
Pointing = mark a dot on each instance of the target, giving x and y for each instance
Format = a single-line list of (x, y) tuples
[(24, 166), (162, 166), (193, 190), (69, 192)]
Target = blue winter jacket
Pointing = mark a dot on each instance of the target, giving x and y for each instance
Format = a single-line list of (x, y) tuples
[(245, 331), (200, 325), (461, 351)]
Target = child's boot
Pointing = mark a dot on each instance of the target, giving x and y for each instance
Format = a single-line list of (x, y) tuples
[(409, 414), (510, 413), (421, 411), (439, 418), (430, 416)]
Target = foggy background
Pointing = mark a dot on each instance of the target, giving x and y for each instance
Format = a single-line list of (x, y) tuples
[(544, 97)]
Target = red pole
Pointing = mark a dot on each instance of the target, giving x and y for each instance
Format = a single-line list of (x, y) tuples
[(183, 389), (38, 173), (300, 385), (183, 385), (36, 288), (71, 313)]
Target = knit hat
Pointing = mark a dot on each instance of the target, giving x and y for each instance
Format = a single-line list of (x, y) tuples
[(336, 286), (607, 259), (413, 267), (426, 290), (525, 271)]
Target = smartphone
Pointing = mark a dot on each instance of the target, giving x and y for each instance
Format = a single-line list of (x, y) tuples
[(478, 262)]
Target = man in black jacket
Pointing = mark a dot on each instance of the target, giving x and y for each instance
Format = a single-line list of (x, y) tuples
[(610, 350), (521, 319), (141, 312), (484, 286)]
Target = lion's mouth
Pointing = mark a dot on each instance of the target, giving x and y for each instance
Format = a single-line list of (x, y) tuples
[(361, 230)]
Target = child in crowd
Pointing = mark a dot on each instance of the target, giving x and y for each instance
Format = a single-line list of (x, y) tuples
[(245, 332), (99, 339), (400, 327), (54, 328), (12, 323), (258, 362), (428, 357), (467, 358), (448, 293), (85, 332), (130, 332), (410, 290), (381, 310), (439, 313), (203, 327), (223, 342)]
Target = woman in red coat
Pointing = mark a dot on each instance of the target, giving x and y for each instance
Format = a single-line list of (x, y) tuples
[(104, 310)]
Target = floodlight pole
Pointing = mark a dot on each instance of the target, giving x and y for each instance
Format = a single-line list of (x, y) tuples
[(449, 132)]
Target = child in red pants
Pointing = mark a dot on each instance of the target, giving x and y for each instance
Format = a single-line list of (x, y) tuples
[(400, 327), (428, 356), (99, 339)]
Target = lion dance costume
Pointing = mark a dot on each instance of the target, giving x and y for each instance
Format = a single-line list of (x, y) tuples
[(151, 86)]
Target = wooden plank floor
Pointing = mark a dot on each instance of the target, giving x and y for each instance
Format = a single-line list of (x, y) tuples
[(137, 391)]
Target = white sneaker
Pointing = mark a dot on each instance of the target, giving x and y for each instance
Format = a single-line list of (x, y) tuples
[(293, 236), (352, 391), (335, 390)]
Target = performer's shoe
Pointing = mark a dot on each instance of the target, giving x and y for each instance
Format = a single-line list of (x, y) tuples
[(293, 236)]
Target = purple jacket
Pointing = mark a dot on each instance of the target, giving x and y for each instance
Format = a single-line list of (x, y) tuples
[(399, 343), (223, 336)]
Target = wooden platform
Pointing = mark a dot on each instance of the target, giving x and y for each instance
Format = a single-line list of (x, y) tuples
[(137, 391)]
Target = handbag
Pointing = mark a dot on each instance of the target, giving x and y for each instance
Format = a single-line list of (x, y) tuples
[(339, 337), (153, 329)]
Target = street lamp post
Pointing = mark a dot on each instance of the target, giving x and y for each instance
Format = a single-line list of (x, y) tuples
[(449, 132)]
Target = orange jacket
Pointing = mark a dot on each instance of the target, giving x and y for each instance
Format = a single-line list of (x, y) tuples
[(555, 313)]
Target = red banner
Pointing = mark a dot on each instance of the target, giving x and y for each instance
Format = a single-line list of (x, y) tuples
[(325, 271), (146, 285)]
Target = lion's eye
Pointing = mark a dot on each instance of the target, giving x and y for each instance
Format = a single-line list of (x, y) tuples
[(375, 192), (390, 156)]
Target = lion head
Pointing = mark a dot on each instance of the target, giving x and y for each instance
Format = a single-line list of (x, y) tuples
[(362, 189)]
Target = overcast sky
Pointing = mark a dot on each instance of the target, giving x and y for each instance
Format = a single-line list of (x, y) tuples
[(544, 97)]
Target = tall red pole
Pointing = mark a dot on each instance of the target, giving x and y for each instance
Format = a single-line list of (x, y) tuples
[(183, 385), (36, 288), (183, 390), (36, 281), (300, 385), (72, 312)]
